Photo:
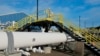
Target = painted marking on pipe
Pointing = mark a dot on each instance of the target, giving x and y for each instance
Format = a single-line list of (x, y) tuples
[(33, 39)]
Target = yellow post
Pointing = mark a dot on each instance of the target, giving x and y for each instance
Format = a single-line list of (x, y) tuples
[(60, 18), (16, 25)]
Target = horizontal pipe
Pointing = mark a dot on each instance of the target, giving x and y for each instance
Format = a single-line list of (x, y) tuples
[(26, 39)]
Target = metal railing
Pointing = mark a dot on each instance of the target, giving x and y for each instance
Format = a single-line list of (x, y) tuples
[(90, 38)]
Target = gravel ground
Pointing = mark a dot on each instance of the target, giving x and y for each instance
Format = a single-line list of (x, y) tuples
[(54, 53)]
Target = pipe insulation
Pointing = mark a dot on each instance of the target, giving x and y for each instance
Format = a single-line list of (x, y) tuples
[(26, 39)]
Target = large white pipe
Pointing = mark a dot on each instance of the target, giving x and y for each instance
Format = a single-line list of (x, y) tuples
[(26, 39)]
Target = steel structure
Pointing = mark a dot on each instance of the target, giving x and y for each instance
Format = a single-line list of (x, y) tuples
[(79, 34)]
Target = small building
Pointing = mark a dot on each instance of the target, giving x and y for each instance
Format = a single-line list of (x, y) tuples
[(7, 20)]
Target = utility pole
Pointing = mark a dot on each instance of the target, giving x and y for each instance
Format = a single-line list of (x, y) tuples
[(79, 23), (0, 22), (92, 24), (84, 24), (37, 8)]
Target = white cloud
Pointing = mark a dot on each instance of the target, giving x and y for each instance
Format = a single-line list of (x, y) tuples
[(63, 10), (4, 9), (44, 4), (79, 8), (93, 2), (93, 13), (14, 3)]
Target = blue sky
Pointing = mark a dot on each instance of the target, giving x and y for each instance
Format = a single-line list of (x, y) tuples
[(89, 10)]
